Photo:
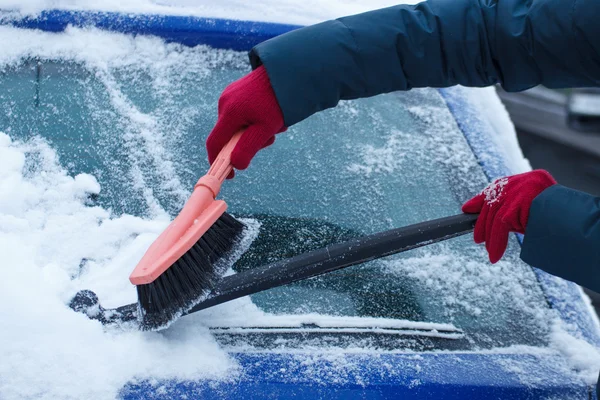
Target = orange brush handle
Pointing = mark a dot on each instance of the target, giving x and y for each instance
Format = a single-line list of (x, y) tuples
[(220, 168), (197, 216)]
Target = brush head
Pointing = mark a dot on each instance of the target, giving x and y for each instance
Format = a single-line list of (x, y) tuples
[(190, 278)]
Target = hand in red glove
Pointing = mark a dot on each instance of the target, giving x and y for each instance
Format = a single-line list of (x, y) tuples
[(248, 103), (504, 208)]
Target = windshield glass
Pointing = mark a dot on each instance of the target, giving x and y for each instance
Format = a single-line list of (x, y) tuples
[(366, 166)]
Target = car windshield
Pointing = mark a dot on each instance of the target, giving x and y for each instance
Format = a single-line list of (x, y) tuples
[(366, 166)]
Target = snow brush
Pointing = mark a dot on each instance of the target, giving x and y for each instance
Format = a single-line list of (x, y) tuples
[(303, 266), (183, 263)]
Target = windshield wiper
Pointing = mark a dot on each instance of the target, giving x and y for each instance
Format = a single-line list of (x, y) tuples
[(310, 337), (348, 330)]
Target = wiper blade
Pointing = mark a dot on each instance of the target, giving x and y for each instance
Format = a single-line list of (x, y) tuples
[(349, 330)]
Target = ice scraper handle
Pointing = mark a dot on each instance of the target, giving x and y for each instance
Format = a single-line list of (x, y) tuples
[(337, 256), (221, 167), (197, 216)]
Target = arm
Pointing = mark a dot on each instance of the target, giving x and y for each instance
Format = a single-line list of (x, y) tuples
[(438, 43), (563, 235)]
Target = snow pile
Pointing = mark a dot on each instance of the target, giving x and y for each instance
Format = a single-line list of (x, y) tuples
[(283, 11), (47, 350), (580, 355)]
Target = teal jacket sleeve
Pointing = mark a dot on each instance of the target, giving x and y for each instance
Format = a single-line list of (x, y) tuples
[(563, 235), (437, 43)]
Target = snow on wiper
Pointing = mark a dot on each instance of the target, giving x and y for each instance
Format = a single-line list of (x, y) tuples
[(324, 333), (317, 323), (339, 330)]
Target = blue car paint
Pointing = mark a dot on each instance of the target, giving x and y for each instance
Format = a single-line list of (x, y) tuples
[(447, 376), (422, 375), (189, 31)]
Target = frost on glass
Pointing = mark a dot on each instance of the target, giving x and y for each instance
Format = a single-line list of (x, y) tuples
[(137, 118)]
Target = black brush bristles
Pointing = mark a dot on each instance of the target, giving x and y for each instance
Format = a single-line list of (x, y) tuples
[(191, 278)]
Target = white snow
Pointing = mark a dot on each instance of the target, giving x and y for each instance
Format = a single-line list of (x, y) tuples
[(463, 285), (581, 355), (385, 159), (487, 102), (494, 190), (324, 321), (283, 11), (47, 350), (46, 230)]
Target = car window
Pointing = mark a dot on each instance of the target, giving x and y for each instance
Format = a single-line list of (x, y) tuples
[(366, 166)]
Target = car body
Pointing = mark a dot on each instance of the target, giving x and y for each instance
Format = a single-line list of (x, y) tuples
[(305, 357)]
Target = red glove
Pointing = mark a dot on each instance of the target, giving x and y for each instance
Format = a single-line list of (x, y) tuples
[(249, 103), (504, 207)]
